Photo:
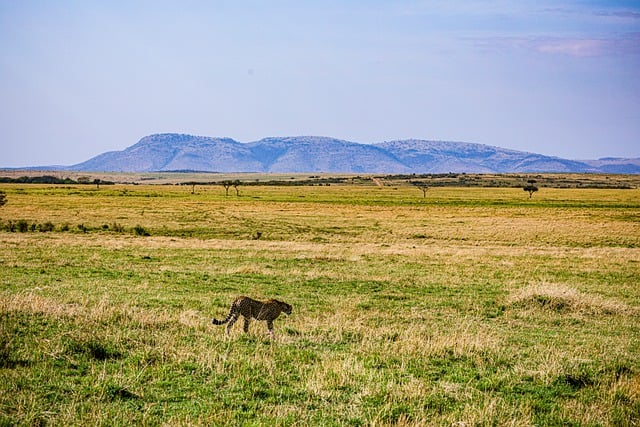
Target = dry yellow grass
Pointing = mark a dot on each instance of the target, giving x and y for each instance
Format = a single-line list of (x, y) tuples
[(564, 299), (394, 216)]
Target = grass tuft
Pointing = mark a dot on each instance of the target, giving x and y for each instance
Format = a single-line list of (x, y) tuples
[(563, 299)]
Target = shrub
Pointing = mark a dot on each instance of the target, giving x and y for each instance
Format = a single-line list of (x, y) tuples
[(118, 228), (46, 227), (22, 225), (139, 230)]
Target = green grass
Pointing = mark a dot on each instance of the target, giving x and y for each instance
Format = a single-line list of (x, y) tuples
[(471, 306)]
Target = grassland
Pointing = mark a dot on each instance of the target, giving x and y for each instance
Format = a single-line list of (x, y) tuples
[(470, 306)]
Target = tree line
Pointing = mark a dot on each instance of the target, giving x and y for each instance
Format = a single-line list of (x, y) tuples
[(49, 179)]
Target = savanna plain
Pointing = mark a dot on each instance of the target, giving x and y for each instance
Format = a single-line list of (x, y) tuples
[(454, 307)]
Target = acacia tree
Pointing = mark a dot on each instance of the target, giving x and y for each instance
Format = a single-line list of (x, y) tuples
[(192, 184), (530, 187), (422, 186), (236, 185), (226, 185)]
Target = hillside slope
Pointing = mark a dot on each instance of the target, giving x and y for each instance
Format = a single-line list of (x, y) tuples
[(178, 152)]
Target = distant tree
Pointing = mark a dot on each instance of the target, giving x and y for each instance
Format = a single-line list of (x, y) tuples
[(193, 186), (3, 198), (227, 185), (236, 185), (422, 187), (530, 187), (97, 183)]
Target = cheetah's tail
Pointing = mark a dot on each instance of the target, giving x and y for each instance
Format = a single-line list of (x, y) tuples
[(222, 322)]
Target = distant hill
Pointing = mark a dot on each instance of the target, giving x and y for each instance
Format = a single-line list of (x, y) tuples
[(615, 165), (179, 152)]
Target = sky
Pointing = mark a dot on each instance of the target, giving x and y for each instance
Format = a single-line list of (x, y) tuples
[(554, 77)]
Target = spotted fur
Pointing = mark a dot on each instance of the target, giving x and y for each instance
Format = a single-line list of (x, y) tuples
[(252, 309)]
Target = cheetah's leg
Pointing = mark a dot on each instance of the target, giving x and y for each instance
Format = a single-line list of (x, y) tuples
[(231, 322), (246, 325), (270, 328)]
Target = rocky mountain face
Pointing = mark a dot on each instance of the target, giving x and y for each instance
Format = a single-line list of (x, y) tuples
[(178, 152)]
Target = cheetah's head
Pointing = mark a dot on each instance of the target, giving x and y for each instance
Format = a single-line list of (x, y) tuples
[(286, 308)]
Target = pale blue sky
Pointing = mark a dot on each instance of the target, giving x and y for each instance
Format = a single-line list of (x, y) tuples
[(78, 78)]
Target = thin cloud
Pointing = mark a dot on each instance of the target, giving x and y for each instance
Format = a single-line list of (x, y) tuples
[(613, 12), (573, 47), (619, 14), (628, 44)]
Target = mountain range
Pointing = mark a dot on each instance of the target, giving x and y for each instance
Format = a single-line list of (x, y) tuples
[(304, 154)]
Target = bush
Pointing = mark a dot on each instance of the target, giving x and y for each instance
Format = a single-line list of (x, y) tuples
[(47, 226), (118, 228), (22, 225), (139, 230)]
